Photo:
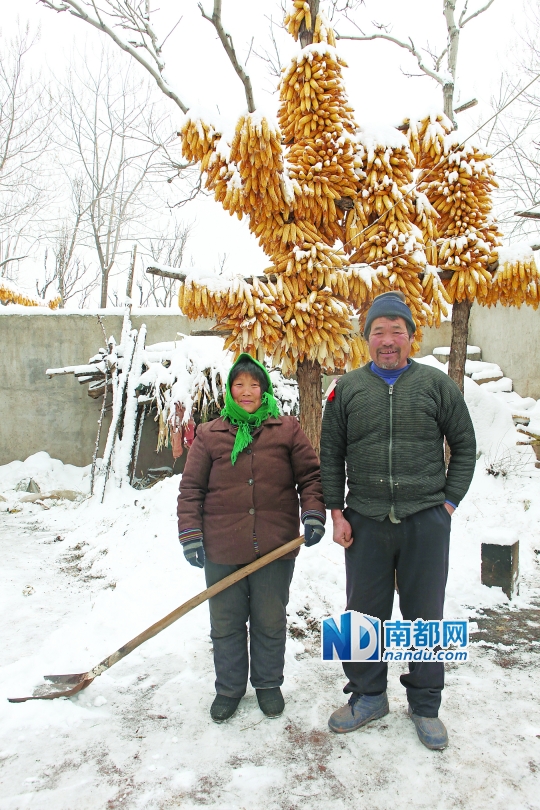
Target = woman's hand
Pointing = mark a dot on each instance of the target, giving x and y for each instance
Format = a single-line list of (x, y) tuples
[(193, 549), (342, 529), (313, 530)]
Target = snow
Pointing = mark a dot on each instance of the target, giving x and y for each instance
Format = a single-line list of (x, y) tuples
[(502, 385), (446, 350), (374, 136), (82, 578), (48, 473), (184, 377), (515, 252)]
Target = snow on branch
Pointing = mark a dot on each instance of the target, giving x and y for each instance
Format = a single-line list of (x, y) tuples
[(132, 16), (226, 41)]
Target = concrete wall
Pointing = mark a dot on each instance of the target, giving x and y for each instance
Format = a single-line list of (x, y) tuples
[(432, 338), (507, 336), (58, 416), (510, 337)]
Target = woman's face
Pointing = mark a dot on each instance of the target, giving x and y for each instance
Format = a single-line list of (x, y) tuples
[(246, 392)]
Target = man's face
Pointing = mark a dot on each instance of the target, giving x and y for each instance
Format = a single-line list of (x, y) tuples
[(389, 343)]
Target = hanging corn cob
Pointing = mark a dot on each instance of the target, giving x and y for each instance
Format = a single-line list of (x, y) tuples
[(381, 229), (516, 280), (11, 294), (314, 179), (458, 179), (289, 196)]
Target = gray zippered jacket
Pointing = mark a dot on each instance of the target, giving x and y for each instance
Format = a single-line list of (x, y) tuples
[(388, 442)]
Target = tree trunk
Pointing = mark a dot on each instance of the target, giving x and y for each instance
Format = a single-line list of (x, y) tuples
[(458, 350), (461, 310), (104, 287), (310, 396), (309, 372), (306, 35)]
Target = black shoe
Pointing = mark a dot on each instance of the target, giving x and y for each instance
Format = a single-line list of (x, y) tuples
[(271, 701), (223, 708)]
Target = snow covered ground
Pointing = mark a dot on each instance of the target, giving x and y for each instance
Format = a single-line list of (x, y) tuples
[(81, 578)]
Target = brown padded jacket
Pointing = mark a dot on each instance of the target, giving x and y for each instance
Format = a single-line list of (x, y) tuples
[(257, 497)]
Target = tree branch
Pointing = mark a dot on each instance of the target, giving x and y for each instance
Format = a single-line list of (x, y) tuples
[(226, 41), (77, 10), (408, 46), (12, 259), (463, 22)]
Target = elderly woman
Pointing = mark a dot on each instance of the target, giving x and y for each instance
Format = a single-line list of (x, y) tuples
[(238, 500)]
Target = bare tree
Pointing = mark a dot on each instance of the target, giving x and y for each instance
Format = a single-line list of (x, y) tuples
[(106, 119), (42, 285), (168, 250), (444, 61), (144, 44), (25, 116), (514, 139)]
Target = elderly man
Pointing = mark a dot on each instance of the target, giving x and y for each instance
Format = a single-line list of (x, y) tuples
[(386, 422)]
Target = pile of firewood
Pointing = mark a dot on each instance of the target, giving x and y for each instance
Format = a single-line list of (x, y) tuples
[(179, 383), (176, 382)]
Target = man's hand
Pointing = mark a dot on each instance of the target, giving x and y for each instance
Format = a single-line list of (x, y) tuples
[(449, 508), (342, 529)]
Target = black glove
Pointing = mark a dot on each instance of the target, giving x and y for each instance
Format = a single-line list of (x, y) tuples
[(313, 530), (194, 551)]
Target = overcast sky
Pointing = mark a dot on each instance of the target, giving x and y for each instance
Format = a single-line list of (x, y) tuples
[(375, 80)]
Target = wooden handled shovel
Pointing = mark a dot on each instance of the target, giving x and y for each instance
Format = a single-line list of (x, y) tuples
[(67, 685)]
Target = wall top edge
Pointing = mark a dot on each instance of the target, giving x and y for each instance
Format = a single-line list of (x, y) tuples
[(38, 312)]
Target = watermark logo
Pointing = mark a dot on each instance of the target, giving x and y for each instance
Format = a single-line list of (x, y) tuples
[(353, 636)]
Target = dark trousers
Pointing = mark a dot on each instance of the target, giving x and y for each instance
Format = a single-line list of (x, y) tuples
[(262, 599), (416, 551)]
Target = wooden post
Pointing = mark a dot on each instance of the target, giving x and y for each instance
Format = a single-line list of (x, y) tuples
[(310, 397)]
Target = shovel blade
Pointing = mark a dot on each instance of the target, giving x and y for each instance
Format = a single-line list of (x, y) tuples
[(59, 686)]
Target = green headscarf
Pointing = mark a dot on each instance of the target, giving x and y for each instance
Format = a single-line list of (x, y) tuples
[(247, 422)]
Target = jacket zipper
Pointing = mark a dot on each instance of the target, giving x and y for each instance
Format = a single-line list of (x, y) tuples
[(390, 392), (391, 515)]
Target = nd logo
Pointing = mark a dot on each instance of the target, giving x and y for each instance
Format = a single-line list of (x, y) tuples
[(351, 636)]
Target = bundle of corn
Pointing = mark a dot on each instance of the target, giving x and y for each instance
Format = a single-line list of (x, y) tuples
[(317, 125), (458, 179), (516, 280), (435, 295), (381, 230), (425, 218), (11, 294), (301, 309), (426, 138), (301, 13)]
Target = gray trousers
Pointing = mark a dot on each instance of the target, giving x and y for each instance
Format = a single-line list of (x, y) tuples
[(416, 552), (260, 598)]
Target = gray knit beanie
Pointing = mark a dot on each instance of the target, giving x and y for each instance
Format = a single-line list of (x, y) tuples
[(389, 305)]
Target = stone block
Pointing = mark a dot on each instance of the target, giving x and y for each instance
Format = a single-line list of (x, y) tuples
[(442, 353), (500, 567)]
